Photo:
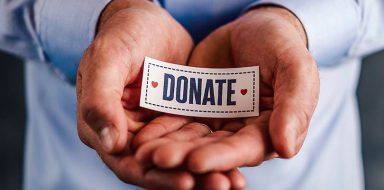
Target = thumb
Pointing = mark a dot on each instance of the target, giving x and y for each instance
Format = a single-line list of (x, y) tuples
[(113, 62), (296, 94), (102, 76)]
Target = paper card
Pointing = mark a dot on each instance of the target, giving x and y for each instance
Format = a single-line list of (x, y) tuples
[(200, 92)]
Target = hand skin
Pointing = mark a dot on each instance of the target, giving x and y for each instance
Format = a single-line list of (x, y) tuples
[(272, 38), (164, 130), (108, 92)]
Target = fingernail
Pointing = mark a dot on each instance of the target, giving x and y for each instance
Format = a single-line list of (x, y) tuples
[(108, 137)]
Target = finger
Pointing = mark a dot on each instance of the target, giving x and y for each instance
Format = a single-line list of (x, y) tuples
[(144, 154), (247, 147), (213, 180), (131, 97), (137, 119), (296, 95), (237, 180), (233, 126), (125, 167), (130, 171), (169, 179), (104, 74), (266, 103), (88, 136), (141, 115), (158, 127), (214, 124), (271, 156), (189, 131), (173, 154)]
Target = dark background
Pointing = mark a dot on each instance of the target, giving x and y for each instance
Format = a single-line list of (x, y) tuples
[(12, 120)]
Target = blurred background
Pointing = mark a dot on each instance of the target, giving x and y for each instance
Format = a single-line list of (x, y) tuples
[(12, 119)]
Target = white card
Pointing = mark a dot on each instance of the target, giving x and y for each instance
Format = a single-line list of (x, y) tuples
[(200, 92)]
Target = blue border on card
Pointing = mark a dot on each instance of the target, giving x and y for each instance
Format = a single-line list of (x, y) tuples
[(202, 73)]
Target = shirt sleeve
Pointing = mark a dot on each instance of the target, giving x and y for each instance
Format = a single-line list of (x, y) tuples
[(53, 31), (331, 26), (15, 29), (65, 29)]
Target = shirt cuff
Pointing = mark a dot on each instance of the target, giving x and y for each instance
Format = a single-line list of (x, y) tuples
[(65, 29), (331, 26), (159, 2)]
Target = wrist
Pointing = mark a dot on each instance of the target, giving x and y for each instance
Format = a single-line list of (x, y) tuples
[(284, 14), (117, 5)]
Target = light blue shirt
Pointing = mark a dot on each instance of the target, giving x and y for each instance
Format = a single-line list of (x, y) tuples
[(51, 36)]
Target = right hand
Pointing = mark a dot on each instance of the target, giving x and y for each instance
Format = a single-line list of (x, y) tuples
[(109, 83), (109, 75)]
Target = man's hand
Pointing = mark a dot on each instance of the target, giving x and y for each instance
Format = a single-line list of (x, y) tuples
[(163, 131), (108, 92), (109, 76), (109, 81), (272, 38)]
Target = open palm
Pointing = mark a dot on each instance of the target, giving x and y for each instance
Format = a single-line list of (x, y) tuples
[(273, 39), (108, 93)]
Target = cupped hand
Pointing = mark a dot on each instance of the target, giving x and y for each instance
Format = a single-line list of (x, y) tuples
[(179, 128), (108, 92), (109, 80), (109, 75), (165, 131), (272, 38)]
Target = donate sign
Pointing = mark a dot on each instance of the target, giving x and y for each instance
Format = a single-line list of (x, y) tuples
[(201, 92)]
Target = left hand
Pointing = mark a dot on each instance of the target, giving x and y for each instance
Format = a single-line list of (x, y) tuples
[(272, 38)]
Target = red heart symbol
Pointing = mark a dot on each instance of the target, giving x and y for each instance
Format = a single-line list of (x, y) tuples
[(243, 91), (154, 84)]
